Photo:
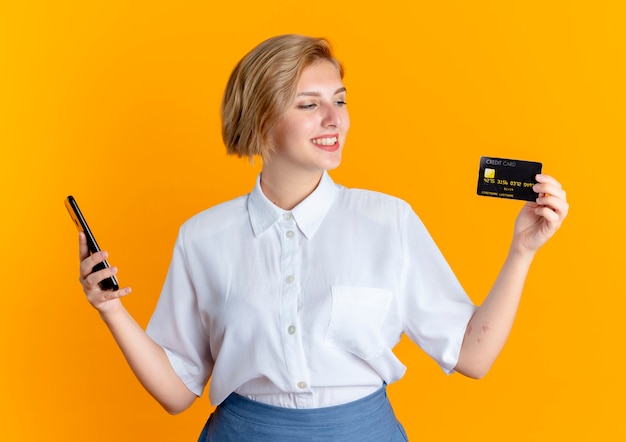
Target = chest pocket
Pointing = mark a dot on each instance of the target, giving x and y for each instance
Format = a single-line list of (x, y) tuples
[(357, 318)]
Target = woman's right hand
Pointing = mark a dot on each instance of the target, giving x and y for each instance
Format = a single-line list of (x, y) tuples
[(105, 301)]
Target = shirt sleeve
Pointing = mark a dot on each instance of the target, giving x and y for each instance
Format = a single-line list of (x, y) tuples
[(436, 307), (177, 324)]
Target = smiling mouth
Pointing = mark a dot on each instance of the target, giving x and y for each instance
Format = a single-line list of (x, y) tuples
[(326, 141)]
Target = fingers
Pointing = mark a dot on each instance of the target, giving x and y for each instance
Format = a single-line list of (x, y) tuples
[(88, 263), (539, 220), (91, 279), (91, 270), (83, 250), (546, 184), (551, 195), (554, 204), (551, 216), (96, 296), (107, 295), (107, 301)]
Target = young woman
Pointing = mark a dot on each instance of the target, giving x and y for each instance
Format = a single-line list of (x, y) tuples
[(291, 298)]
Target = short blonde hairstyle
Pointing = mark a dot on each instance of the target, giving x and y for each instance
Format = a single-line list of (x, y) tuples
[(261, 88)]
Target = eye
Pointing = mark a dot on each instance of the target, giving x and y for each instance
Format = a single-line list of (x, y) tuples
[(340, 102), (307, 106)]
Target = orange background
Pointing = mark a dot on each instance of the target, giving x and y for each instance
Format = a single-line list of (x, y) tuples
[(117, 103)]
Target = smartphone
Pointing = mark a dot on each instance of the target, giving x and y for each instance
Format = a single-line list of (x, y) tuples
[(81, 224)]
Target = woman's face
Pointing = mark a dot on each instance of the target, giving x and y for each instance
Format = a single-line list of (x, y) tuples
[(311, 134)]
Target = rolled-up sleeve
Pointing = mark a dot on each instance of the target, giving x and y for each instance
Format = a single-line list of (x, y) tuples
[(435, 305), (177, 324)]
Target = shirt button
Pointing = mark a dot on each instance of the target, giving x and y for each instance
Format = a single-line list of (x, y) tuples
[(302, 385), (287, 216), (289, 234), (289, 279), (291, 329)]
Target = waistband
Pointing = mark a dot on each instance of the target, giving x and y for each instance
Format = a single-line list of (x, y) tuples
[(336, 415)]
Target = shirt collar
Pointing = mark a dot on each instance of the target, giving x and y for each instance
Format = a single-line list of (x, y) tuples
[(308, 214)]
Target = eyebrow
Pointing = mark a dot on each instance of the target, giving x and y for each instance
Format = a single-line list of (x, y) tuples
[(317, 94)]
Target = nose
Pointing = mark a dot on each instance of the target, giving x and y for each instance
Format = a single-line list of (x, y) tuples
[(332, 116)]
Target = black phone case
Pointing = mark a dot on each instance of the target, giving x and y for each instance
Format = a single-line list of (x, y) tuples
[(81, 224)]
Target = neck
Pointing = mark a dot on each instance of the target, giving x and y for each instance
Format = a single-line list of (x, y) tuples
[(287, 191)]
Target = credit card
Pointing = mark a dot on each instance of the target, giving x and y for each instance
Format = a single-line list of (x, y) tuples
[(506, 178)]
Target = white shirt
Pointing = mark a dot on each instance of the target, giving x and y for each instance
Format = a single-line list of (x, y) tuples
[(302, 308)]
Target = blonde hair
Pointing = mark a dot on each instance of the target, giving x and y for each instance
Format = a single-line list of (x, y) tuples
[(262, 86)]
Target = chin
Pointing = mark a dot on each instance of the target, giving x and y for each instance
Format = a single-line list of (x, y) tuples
[(332, 166), (333, 163)]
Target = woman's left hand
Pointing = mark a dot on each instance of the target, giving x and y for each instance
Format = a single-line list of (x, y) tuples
[(538, 221)]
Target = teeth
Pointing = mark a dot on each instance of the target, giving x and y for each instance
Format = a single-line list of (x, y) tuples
[(325, 141)]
